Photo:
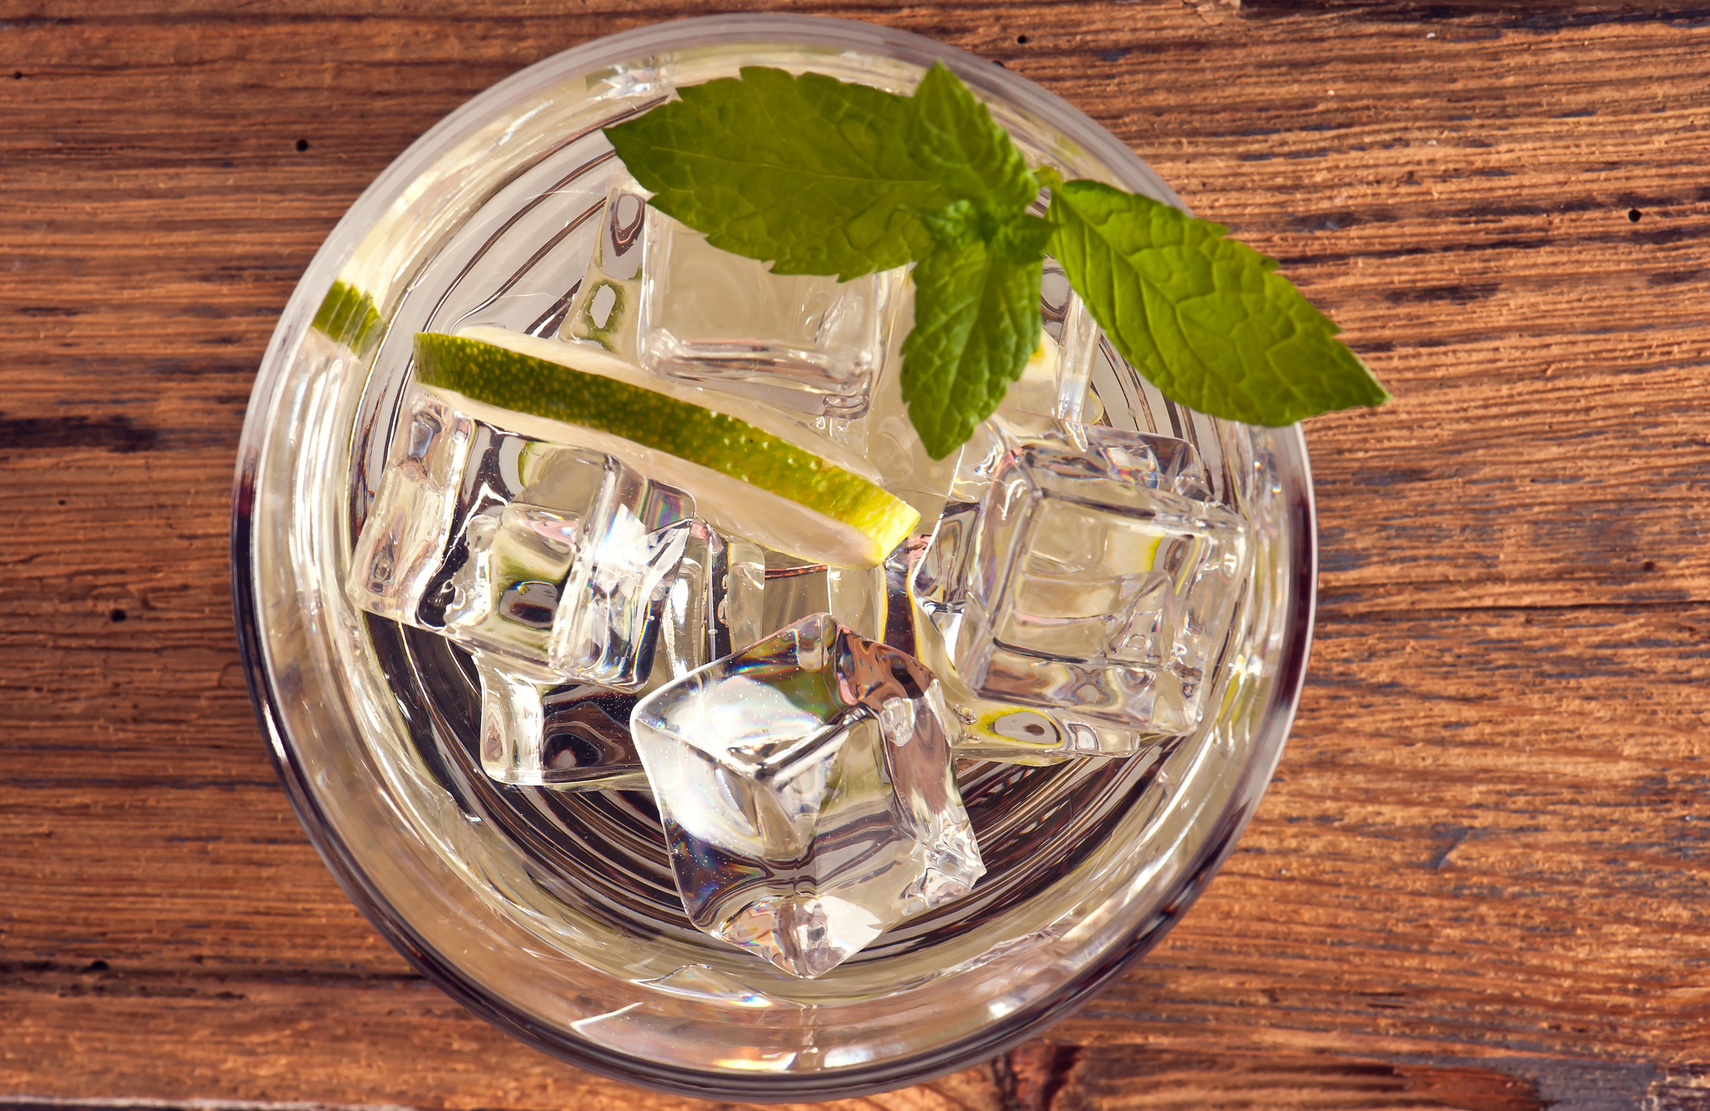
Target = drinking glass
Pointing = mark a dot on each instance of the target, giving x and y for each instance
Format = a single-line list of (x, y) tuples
[(553, 914)]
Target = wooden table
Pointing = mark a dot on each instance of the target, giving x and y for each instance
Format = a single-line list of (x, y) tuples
[(1481, 878)]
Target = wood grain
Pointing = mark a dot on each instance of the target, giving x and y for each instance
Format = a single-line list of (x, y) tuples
[(1479, 880)]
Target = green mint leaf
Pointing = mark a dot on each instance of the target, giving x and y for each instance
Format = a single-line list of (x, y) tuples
[(976, 323), (1207, 320), (955, 225), (811, 173), (1023, 239), (955, 137)]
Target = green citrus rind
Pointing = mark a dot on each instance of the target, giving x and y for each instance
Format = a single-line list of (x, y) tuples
[(512, 380), (348, 316)]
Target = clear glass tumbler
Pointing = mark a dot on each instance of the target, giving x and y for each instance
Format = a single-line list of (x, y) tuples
[(553, 914)]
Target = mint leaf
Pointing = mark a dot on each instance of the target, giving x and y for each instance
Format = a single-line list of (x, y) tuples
[(955, 138), (955, 225), (1020, 238), (822, 177), (976, 323), (1023, 238), (813, 174), (1207, 320)]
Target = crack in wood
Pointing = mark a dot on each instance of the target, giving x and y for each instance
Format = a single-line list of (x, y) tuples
[(68, 980)]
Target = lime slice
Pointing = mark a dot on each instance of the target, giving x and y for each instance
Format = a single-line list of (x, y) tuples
[(747, 479), (348, 316)]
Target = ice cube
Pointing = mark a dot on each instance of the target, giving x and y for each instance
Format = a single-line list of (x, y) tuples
[(771, 589), (606, 309), (552, 556), (731, 592), (627, 555), (402, 544), (987, 729), (691, 628), (656, 293), (1081, 571), (801, 342), (537, 730), (888, 438), (447, 471), (1069, 344), (981, 729), (518, 548), (1054, 384), (806, 791)]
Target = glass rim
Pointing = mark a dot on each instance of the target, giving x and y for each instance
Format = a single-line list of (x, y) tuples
[(993, 1038)]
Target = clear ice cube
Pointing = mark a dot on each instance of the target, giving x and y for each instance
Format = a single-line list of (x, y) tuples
[(606, 309), (1083, 572), (981, 729), (656, 293), (1070, 344), (730, 592), (798, 341), (538, 731), (555, 557), (806, 791), (1055, 381), (888, 438), (692, 631), (402, 546), (773, 590), (627, 556), (517, 555), (1054, 384)]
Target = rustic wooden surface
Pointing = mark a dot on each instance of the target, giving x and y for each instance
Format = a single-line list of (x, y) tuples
[(1481, 878)]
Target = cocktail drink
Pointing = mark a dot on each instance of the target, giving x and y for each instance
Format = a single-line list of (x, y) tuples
[(652, 685)]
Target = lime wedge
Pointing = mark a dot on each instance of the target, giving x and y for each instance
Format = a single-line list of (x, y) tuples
[(747, 479), (348, 316)]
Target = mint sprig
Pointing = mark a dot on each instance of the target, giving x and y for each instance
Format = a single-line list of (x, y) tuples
[(976, 322), (954, 138), (818, 176), (1207, 320), (811, 174)]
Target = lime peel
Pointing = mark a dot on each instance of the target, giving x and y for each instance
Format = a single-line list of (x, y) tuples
[(860, 523), (348, 316)]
